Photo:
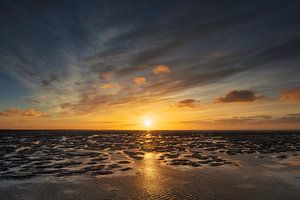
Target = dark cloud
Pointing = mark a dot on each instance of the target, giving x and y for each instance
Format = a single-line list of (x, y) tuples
[(238, 96), (190, 103), (291, 95)]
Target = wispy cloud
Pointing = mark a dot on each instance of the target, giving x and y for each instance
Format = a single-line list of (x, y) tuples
[(291, 95), (30, 112), (107, 75), (248, 120)]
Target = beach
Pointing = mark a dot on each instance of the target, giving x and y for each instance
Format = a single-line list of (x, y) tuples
[(149, 165)]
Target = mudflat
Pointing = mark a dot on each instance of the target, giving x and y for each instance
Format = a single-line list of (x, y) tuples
[(149, 165)]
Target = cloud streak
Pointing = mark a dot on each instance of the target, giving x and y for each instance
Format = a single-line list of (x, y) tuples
[(248, 120), (291, 95), (30, 112)]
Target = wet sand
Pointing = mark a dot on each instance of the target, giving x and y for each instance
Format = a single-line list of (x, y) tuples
[(150, 165)]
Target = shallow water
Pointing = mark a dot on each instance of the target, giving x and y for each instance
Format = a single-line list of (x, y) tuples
[(149, 165)]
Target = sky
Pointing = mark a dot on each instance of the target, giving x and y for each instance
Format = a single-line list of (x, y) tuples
[(182, 64)]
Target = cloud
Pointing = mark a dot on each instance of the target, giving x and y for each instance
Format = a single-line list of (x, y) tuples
[(161, 69), (107, 75), (139, 80), (75, 60), (190, 103), (280, 51), (30, 112), (250, 120), (291, 95), (110, 86), (239, 96), (289, 118), (241, 119), (48, 80), (263, 119)]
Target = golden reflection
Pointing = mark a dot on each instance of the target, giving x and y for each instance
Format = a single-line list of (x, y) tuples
[(151, 173), (148, 142), (149, 168)]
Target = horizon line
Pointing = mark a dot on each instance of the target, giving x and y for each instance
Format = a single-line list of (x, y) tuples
[(13, 129)]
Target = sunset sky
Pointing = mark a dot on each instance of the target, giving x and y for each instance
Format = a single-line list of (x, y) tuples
[(182, 64)]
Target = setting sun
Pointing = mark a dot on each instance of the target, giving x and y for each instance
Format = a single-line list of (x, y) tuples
[(148, 123)]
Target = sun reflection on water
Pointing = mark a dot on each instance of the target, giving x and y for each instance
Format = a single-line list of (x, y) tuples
[(149, 166), (151, 173)]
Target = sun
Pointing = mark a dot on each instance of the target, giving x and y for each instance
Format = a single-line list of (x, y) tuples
[(148, 123)]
